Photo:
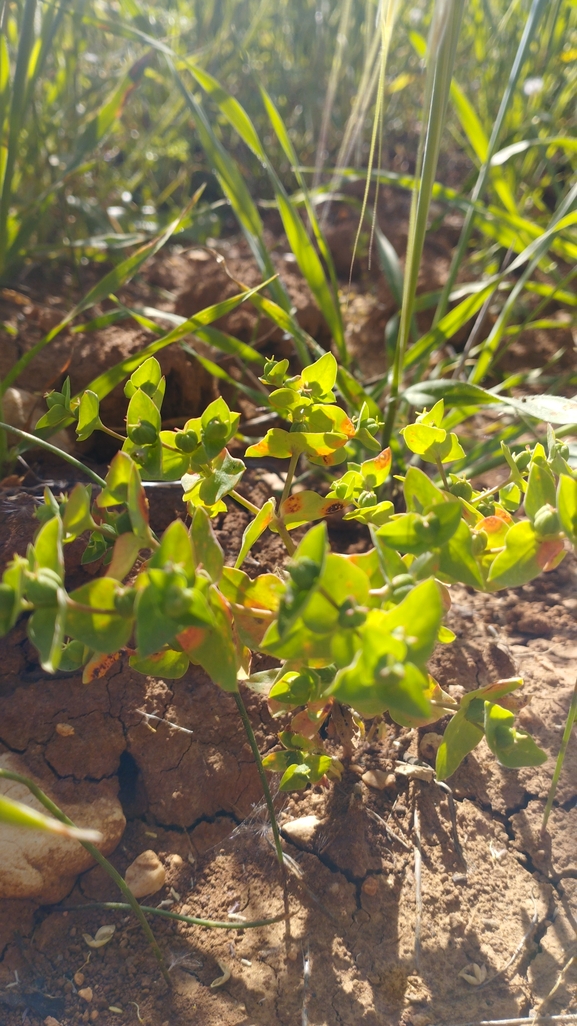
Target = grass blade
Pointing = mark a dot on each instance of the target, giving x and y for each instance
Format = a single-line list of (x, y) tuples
[(537, 9), (110, 283), (441, 57)]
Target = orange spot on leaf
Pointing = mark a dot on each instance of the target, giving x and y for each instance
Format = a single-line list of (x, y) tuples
[(191, 638), (549, 553), (384, 459), (292, 505), (98, 666), (492, 525), (332, 507)]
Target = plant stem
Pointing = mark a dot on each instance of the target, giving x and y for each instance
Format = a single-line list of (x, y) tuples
[(250, 506), (211, 924), (56, 451), (571, 715), (262, 774), (112, 433), (289, 478), (288, 542), (491, 491), (441, 470), (98, 857)]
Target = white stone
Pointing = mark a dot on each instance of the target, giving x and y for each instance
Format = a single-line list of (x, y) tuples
[(146, 875), (43, 867), (379, 779), (302, 830)]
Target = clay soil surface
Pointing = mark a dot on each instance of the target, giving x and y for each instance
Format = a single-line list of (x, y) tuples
[(409, 905)]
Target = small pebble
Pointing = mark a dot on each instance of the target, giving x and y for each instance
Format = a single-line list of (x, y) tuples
[(86, 994), (51, 1021), (146, 875), (378, 779), (370, 886), (65, 729), (79, 979)]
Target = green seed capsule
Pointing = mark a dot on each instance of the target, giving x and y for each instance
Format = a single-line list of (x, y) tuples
[(7, 596), (186, 441), (143, 433), (522, 459), (461, 489), (124, 601), (547, 522), (304, 573), (41, 590), (215, 430), (351, 615), (479, 542), (402, 580)]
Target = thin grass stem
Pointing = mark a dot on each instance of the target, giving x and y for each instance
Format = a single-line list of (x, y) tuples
[(98, 857), (262, 774), (27, 437), (571, 715), (211, 924)]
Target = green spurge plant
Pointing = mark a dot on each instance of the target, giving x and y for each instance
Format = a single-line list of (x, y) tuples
[(354, 630)]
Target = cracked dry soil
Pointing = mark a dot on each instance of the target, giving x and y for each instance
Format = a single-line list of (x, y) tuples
[(491, 895)]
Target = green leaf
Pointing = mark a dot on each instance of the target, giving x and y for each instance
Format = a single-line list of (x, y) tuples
[(567, 506), (174, 463), (103, 629), (18, 814), (414, 533), (553, 409), (376, 470), (226, 472), (282, 444), (298, 643), (138, 507), (142, 419), (417, 619), (214, 650), (73, 656), (254, 530), (168, 663), (11, 591), (540, 489), (320, 377), (457, 561), (46, 632), (175, 551), (525, 556), (254, 602), (154, 628), (207, 551), (455, 393), (340, 581), (304, 507), (305, 570), (295, 688), (147, 377), (419, 491), (77, 516), (460, 737), (88, 415), (390, 266), (48, 547), (512, 746), (124, 553), (117, 478)]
